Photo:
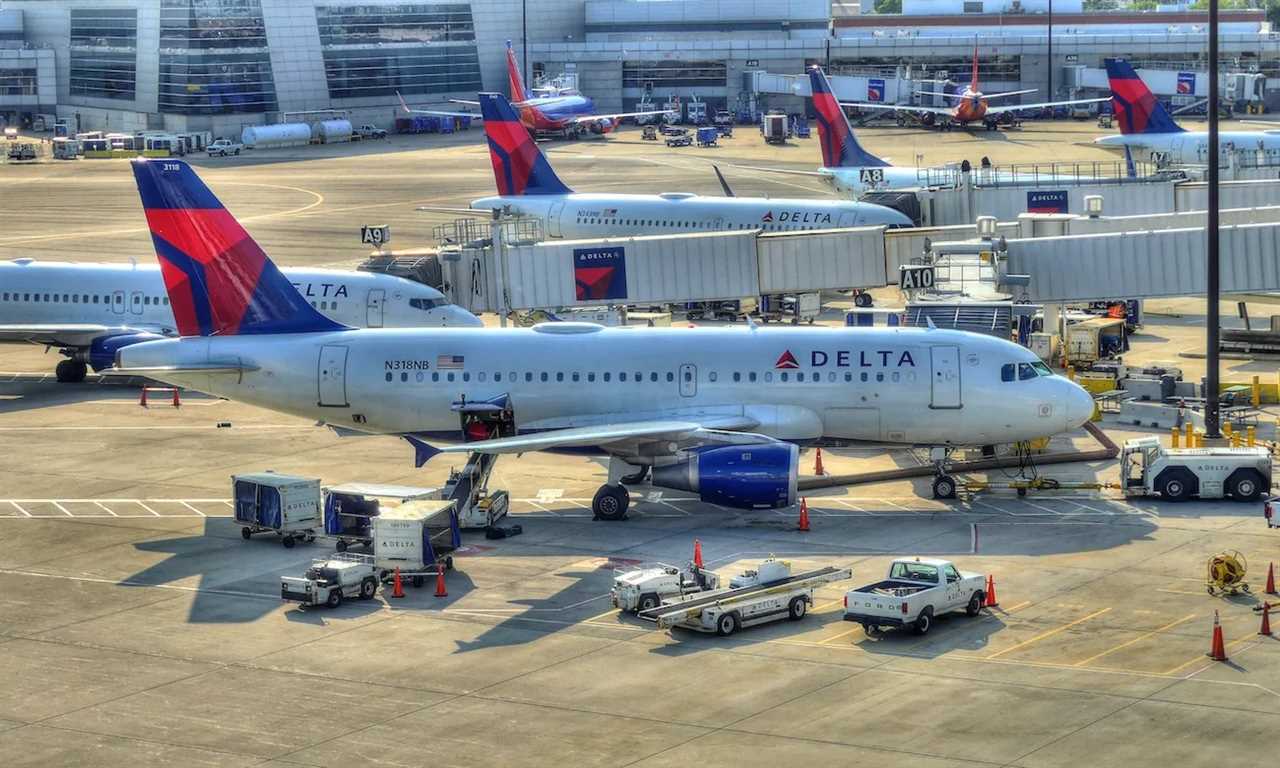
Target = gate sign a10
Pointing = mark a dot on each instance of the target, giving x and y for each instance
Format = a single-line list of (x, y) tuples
[(915, 278)]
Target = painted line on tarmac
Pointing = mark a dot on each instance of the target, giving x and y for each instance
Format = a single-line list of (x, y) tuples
[(1050, 633), (1137, 639), (130, 583)]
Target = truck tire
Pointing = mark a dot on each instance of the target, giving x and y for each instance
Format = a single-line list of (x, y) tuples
[(1175, 488), (245, 533), (418, 581), (1244, 485), (727, 624), (288, 542), (975, 604), (335, 598), (341, 546), (797, 608), (368, 588), (924, 622), (871, 629), (647, 602)]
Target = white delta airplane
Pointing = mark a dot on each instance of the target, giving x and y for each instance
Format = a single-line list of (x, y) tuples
[(719, 412), (527, 186), (89, 311), (1148, 130)]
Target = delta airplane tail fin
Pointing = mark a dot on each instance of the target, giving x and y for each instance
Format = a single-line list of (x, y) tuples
[(1136, 107), (518, 92), (840, 148), (219, 281), (519, 167)]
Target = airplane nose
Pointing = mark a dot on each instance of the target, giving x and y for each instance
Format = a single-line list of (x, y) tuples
[(457, 317), (1078, 405)]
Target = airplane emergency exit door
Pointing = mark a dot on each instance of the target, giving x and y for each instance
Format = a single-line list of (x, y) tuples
[(377, 297), (332, 375), (945, 376)]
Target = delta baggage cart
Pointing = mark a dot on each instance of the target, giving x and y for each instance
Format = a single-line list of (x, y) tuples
[(349, 509), (416, 537), (285, 505)]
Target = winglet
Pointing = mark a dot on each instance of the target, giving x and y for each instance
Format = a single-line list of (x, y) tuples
[(403, 103), (927, 319), (422, 450)]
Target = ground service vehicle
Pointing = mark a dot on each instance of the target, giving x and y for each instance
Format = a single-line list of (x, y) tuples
[(683, 140), (224, 147), (369, 132), (917, 591), (760, 595), (1176, 474), (331, 580), (645, 586)]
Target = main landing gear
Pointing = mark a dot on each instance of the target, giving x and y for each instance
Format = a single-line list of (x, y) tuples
[(70, 371), (944, 485), (613, 499)]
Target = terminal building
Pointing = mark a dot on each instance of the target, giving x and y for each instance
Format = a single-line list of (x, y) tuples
[(221, 65)]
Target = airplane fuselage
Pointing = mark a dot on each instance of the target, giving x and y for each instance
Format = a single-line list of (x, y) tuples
[(555, 113), (1190, 146), (798, 384), (970, 107), (585, 215)]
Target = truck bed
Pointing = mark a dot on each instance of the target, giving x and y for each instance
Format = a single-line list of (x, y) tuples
[(895, 588), (714, 597)]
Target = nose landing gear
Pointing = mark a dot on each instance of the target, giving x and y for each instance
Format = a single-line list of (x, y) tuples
[(944, 485)]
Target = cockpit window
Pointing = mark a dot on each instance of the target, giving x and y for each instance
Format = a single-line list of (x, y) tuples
[(1025, 371), (1042, 369), (1007, 372), (425, 303)]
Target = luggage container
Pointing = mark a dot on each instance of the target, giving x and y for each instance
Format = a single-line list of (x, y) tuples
[(285, 505), (707, 136), (349, 509), (416, 538)]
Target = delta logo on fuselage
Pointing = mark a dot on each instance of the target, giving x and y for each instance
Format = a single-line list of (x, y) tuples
[(847, 358), (798, 217), (327, 290)]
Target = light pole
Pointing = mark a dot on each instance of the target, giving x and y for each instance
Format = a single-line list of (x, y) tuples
[(1049, 94), (524, 44), (1212, 321)]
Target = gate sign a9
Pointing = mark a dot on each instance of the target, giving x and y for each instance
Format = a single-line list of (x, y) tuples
[(375, 235)]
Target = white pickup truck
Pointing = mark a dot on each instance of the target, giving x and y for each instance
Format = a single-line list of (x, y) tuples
[(224, 147), (917, 591)]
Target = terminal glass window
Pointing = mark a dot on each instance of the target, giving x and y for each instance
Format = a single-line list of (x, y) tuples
[(18, 82), (662, 75), (104, 27), (104, 53), (220, 83), (394, 24), (208, 24)]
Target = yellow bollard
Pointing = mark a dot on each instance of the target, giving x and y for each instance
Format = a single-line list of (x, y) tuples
[(1227, 430), (1071, 372), (1190, 430), (1257, 391), (1251, 436), (1236, 440), (1174, 437)]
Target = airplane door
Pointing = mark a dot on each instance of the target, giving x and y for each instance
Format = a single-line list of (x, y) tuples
[(553, 220), (117, 302), (945, 364), (688, 380), (332, 375), (377, 297), (135, 302)]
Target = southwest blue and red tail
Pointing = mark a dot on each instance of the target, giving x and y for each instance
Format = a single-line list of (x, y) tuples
[(220, 282), (840, 149), (516, 82), (1137, 109), (519, 167)]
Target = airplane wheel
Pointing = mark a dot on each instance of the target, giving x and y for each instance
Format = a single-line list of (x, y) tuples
[(862, 300), (944, 487), (610, 503), (70, 372)]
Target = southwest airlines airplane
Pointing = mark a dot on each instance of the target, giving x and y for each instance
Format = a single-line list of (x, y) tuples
[(527, 186), (715, 411), (548, 110), (1147, 128), (88, 311)]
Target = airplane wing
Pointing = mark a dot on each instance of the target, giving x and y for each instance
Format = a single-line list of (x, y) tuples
[(440, 113), (482, 212), (898, 107), (715, 429), (231, 366), (780, 170), (465, 101), (1017, 107), (1272, 125), (71, 334), (1008, 93), (619, 115)]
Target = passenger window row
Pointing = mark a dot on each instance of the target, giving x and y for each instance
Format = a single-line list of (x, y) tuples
[(325, 305), (707, 225), (82, 298), (637, 377)]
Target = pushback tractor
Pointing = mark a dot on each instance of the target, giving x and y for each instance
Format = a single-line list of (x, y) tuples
[(1176, 474)]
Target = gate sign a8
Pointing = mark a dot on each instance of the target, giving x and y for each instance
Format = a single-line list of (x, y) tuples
[(914, 278)]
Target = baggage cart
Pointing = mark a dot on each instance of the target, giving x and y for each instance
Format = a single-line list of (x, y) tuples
[(285, 505)]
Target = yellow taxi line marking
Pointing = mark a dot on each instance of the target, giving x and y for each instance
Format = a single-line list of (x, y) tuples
[(1204, 657), (1139, 638), (610, 612), (822, 608), (1050, 633), (1017, 607), (846, 633), (1181, 592)]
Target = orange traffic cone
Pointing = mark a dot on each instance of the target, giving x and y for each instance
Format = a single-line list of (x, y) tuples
[(142, 401), (697, 553), (1265, 629), (440, 590), (1271, 579), (990, 602), (397, 589), (804, 515), (817, 463), (1218, 649)]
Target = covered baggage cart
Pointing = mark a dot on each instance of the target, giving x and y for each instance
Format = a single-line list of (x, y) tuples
[(285, 505), (349, 509)]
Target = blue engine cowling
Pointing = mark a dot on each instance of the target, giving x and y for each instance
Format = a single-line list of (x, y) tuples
[(759, 476), (102, 352)]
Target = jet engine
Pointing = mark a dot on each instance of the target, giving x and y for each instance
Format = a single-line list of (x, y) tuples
[(603, 125), (102, 352), (757, 476)]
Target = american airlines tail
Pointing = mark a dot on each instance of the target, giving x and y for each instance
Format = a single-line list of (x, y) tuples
[(219, 281), (1136, 107), (518, 92), (840, 149), (519, 167)]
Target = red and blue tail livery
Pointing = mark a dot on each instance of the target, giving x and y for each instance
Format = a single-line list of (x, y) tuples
[(220, 282), (840, 149), (519, 167), (1136, 107)]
